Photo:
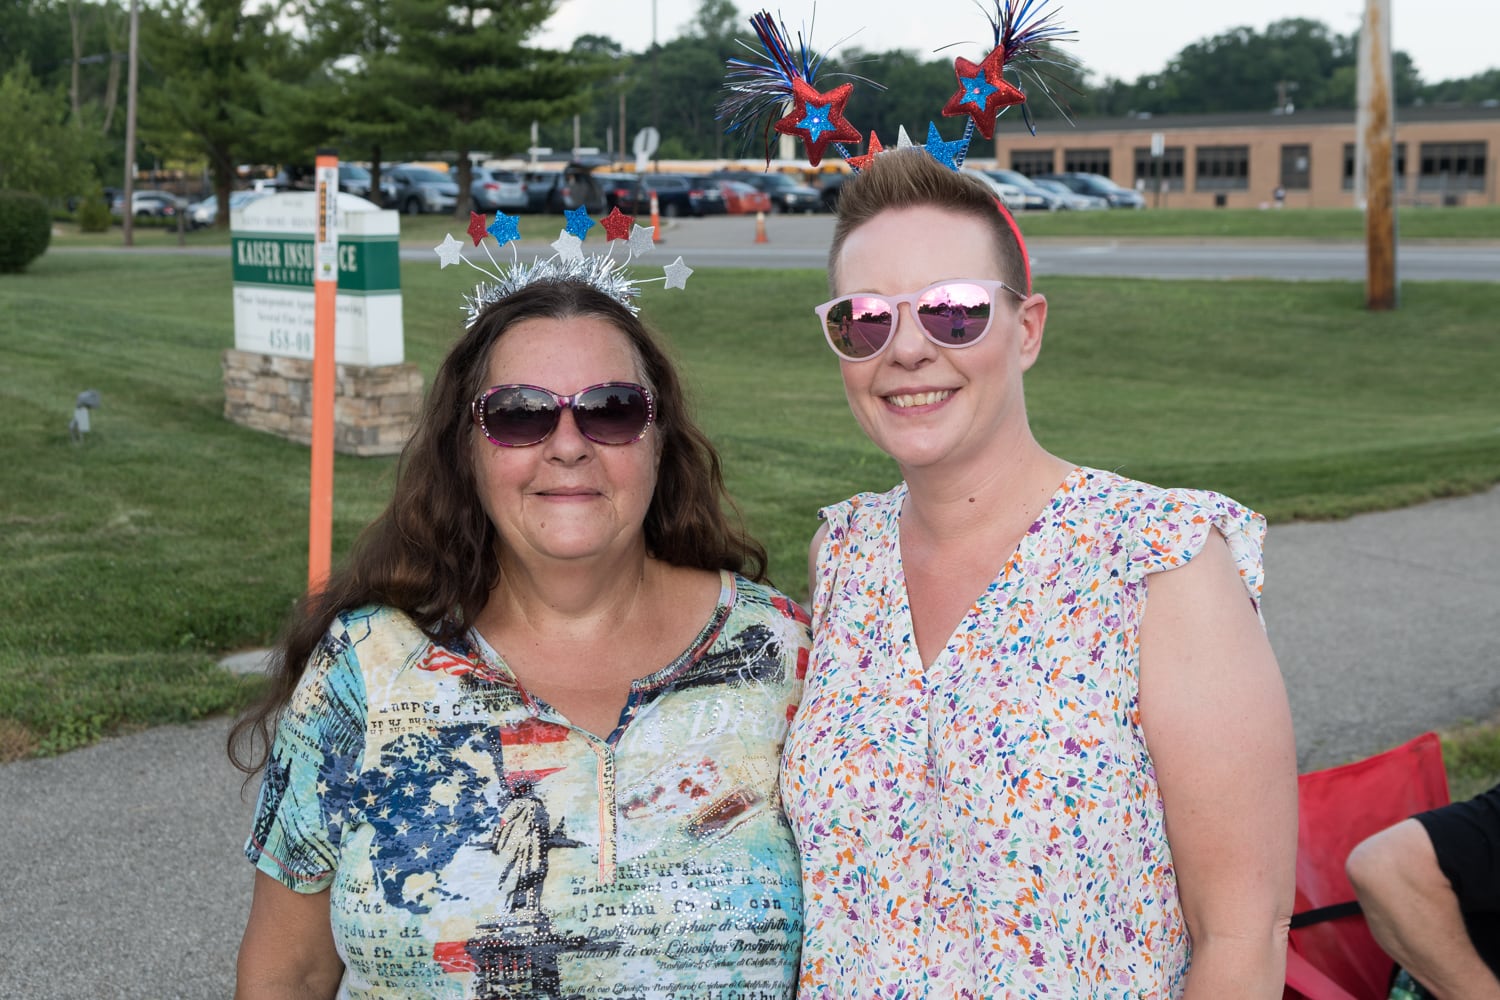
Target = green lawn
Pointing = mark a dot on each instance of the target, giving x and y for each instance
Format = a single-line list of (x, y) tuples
[(1479, 222), (170, 537)]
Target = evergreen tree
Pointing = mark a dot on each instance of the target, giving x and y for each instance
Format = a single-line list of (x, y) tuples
[(466, 67)]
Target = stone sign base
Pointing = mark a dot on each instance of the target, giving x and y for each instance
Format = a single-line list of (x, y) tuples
[(374, 409)]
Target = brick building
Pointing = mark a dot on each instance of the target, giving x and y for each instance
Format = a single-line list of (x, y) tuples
[(1238, 160)]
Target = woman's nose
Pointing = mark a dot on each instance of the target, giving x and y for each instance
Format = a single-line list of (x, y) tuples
[(909, 347)]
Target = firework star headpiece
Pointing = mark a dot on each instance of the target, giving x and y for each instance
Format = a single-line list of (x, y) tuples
[(761, 88), (603, 271)]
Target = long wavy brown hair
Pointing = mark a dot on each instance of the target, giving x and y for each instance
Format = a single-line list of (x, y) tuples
[(432, 552)]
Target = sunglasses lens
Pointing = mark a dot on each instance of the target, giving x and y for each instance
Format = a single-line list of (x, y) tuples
[(612, 414), (859, 326), (519, 415), (955, 313)]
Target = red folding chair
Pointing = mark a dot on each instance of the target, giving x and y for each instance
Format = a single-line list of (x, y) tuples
[(1333, 955)]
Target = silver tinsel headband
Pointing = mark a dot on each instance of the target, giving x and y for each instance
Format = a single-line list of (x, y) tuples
[(569, 263)]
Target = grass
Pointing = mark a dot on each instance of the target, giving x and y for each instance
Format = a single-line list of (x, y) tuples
[(1480, 222), (170, 537), (1471, 756)]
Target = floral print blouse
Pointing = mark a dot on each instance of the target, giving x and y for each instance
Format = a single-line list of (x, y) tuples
[(989, 824)]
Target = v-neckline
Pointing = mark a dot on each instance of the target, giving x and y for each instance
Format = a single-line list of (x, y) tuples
[(998, 581), (640, 687)]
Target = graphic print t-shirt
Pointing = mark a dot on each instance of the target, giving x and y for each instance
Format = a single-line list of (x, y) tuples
[(477, 845)]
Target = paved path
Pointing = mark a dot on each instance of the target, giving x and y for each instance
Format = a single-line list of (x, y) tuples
[(122, 874)]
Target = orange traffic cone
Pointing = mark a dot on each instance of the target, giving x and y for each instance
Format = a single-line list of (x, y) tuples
[(760, 228), (655, 219)]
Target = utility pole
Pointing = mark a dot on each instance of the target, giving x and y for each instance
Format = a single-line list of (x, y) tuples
[(655, 99), (1375, 160), (128, 212)]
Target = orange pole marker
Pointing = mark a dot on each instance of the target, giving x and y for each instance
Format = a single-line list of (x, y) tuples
[(760, 228), (325, 302), (655, 219)]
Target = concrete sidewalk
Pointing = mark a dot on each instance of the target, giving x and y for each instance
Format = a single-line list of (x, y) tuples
[(123, 876)]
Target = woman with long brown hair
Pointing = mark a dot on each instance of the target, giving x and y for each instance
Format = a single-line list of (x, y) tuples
[(525, 742)]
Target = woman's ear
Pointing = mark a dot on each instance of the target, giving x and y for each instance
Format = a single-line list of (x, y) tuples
[(1033, 323)]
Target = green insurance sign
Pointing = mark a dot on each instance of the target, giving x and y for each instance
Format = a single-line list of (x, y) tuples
[(271, 249)]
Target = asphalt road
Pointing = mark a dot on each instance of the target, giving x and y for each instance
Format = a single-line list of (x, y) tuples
[(802, 241), (123, 878)]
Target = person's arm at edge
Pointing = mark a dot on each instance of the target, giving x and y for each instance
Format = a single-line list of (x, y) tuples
[(287, 952), (1219, 730), (1414, 914)]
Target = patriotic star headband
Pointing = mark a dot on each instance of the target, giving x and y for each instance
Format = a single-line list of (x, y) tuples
[(603, 271), (760, 88)]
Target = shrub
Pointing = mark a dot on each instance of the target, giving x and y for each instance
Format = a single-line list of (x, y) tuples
[(93, 214), (25, 229)]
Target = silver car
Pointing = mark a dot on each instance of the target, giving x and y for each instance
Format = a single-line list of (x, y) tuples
[(418, 189)]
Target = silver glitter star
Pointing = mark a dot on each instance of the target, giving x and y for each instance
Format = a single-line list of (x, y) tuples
[(450, 251), (903, 141), (568, 246), (677, 274), (642, 240)]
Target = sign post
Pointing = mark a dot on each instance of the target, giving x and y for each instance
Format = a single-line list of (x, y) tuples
[(325, 298), (644, 146)]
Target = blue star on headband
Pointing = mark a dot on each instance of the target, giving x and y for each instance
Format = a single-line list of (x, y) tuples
[(816, 120), (505, 228), (949, 154), (976, 89), (579, 222)]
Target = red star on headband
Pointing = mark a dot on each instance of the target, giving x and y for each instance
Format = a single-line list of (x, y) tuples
[(617, 225), (476, 227), (982, 91), (818, 118), (863, 162)]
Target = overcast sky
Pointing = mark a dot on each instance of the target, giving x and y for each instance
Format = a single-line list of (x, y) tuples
[(1446, 38)]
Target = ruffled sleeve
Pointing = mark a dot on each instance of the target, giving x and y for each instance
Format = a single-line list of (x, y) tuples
[(1169, 527)]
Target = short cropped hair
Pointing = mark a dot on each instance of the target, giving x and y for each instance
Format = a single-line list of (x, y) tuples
[(911, 178)]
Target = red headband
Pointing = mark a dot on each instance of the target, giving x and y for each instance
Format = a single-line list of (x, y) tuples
[(1015, 230)]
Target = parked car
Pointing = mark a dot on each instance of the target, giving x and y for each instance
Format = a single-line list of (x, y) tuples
[(619, 190), (568, 188), (743, 199), (1100, 187), (706, 196), (495, 190), (206, 212), (832, 184), (1038, 199), (1068, 199), (354, 179), (785, 193), (150, 204), (1013, 197), (676, 195), (419, 189)]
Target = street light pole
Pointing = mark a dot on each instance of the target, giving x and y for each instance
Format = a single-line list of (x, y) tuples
[(655, 99), (128, 221)]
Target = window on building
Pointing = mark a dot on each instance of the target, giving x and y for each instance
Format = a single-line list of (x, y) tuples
[(1296, 167), (1349, 166), (1452, 166), (1031, 161), (1223, 168), (1166, 173), (1086, 161)]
